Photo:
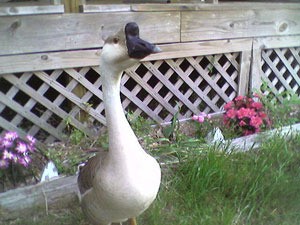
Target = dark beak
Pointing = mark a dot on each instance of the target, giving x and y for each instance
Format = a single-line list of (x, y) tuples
[(137, 47)]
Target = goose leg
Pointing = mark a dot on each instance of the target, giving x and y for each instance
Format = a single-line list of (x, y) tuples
[(132, 221)]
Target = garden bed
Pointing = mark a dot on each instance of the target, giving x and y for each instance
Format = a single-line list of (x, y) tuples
[(61, 192)]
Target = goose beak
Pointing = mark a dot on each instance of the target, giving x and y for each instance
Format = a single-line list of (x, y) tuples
[(137, 47)]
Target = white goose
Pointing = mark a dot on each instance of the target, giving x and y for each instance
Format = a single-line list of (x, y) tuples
[(122, 182)]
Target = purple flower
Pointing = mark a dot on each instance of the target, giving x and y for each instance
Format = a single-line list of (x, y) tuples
[(31, 139), (6, 143), (21, 147), (3, 163), (8, 155), (24, 161), (11, 135)]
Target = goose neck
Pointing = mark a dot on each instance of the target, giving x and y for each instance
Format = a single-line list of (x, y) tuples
[(120, 134)]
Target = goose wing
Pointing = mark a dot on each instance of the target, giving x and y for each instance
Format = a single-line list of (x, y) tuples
[(87, 172)]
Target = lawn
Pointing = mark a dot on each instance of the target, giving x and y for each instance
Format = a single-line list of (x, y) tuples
[(209, 186)]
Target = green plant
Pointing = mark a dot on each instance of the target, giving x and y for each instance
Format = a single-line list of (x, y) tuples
[(140, 125), (283, 109), (15, 155), (245, 115), (213, 187), (171, 131), (75, 135)]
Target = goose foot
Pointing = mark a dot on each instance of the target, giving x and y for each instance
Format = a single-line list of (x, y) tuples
[(132, 221)]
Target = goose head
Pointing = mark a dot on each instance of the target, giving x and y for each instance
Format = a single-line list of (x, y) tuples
[(125, 48)]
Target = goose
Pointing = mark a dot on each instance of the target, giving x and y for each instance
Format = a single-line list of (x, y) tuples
[(121, 183)]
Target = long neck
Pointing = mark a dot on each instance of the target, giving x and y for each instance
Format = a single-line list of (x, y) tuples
[(122, 139)]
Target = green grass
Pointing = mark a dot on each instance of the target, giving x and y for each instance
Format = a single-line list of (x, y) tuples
[(211, 187)]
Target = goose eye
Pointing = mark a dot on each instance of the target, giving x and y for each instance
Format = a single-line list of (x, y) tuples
[(116, 40)]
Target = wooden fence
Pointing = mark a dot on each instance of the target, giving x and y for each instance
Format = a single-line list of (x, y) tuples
[(49, 76)]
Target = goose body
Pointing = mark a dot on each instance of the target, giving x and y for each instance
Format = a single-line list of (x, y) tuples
[(122, 182)]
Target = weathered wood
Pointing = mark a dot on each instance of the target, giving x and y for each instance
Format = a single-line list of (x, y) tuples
[(277, 42), (210, 25), (244, 76), (28, 34), (29, 10), (178, 50), (82, 58), (56, 193), (25, 112), (48, 60), (37, 95), (259, 44), (105, 8), (221, 6)]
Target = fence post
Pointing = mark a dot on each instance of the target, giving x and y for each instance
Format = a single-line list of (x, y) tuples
[(243, 85), (256, 63)]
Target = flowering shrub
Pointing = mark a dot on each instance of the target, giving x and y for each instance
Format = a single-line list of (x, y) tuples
[(14, 150), (245, 115)]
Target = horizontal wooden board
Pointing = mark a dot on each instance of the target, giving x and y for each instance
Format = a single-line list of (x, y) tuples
[(105, 8), (24, 34), (277, 42), (207, 25), (81, 58), (212, 7), (178, 50), (29, 10), (55, 193), (50, 60)]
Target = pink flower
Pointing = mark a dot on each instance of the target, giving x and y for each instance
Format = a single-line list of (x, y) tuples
[(228, 105), (245, 112), (195, 117), (242, 123), (256, 121), (231, 113), (246, 115), (256, 105), (239, 98), (200, 119)]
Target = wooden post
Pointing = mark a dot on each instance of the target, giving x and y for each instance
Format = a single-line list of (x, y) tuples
[(244, 73), (255, 76)]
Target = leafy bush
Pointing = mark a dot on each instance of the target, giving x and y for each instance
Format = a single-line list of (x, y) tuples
[(245, 115)]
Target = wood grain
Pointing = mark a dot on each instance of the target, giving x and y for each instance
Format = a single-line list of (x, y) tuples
[(25, 34), (211, 25), (29, 10)]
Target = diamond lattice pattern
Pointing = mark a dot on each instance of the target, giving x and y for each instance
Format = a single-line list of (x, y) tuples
[(49, 104), (281, 71)]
